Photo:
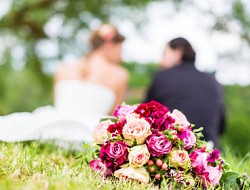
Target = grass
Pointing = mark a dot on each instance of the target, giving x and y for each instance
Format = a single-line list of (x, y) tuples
[(44, 166), (238, 119)]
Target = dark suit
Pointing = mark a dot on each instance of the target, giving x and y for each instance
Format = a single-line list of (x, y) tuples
[(198, 95)]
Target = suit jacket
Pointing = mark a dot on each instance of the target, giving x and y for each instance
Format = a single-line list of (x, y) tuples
[(198, 95)]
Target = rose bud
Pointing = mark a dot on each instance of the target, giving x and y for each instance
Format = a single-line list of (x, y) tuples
[(152, 169), (204, 147), (174, 132), (174, 137), (164, 166), (150, 162), (159, 162), (158, 176), (181, 128)]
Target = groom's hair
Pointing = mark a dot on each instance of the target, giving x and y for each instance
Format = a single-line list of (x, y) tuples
[(188, 53)]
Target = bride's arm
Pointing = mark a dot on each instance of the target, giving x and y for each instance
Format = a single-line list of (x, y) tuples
[(121, 89), (61, 74)]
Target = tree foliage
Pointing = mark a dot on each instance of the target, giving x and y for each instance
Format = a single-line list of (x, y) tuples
[(25, 26), (26, 20)]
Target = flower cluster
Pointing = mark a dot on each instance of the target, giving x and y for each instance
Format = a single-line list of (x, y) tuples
[(149, 142), (107, 32)]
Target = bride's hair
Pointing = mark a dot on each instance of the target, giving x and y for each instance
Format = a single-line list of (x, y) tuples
[(105, 33)]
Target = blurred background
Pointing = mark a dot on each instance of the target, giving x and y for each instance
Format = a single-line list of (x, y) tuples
[(37, 35)]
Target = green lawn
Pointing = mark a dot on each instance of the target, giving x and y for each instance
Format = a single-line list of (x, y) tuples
[(44, 166)]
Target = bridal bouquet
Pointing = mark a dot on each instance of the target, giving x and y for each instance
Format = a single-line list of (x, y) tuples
[(149, 143)]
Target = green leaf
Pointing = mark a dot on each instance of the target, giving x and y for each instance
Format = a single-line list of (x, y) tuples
[(134, 143), (199, 135), (109, 135), (113, 119), (244, 182), (198, 130), (200, 143), (119, 137), (166, 132), (192, 125), (229, 181), (86, 146)]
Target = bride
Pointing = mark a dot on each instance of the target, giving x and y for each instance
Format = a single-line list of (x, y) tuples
[(84, 92)]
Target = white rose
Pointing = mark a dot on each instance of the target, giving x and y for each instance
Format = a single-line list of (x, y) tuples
[(179, 158), (139, 174), (138, 155), (136, 129), (180, 118)]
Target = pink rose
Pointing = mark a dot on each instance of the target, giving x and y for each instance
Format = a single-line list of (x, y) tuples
[(199, 162), (214, 174), (188, 138), (179, 158), (136, 129), (98, 166), (132, 116), (122, 111), (100, 131), (180, 118), (158, 144), (139, 174), (114, 154), (138, 156)]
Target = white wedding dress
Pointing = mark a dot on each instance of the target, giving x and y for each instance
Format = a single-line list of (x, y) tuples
[(78, 107)]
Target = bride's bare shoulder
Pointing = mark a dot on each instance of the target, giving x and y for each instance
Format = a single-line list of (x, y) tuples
[(121, 73), (66, 71)]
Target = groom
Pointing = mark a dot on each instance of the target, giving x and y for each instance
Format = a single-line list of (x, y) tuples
[(179, 85)]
